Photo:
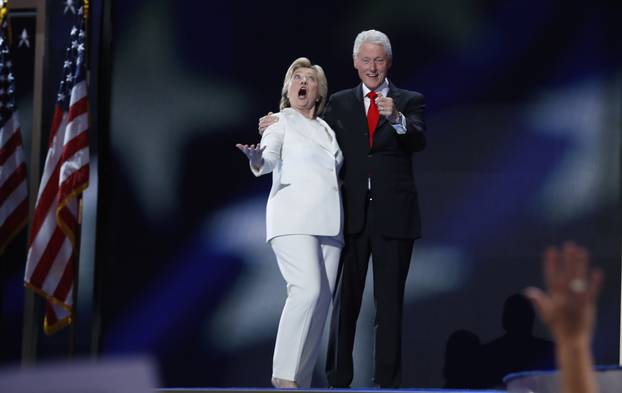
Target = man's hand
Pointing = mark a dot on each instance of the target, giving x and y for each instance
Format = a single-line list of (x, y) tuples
[(387, 108), (253, 153), (266, 121)]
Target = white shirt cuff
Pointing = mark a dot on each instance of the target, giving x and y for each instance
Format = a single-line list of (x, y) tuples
[(400, 126)]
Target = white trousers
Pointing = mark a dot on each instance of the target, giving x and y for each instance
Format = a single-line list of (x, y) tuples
[(309, 265)]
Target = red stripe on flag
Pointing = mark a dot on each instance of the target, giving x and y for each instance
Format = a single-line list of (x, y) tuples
[(78, 143), (57, 119), (77, 108), (66, 281), (11, 145), (50, 315), (47, 259), (76, 182), (66, 216), (46, 198), (12, 182), (13, 224), (68, 223)]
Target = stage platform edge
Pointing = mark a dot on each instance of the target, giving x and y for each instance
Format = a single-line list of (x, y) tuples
[(354, 390)]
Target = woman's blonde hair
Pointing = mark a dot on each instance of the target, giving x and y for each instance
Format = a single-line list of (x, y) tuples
[(303, 62)]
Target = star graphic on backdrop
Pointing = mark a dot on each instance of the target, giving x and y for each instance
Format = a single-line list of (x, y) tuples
[(69, 7), (579, 114), (23, 39), (160, 106)]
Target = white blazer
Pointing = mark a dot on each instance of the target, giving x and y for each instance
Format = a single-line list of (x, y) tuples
[(304, 158)]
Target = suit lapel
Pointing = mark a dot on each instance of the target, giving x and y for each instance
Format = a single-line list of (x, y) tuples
[(324, 138), (332, 146)]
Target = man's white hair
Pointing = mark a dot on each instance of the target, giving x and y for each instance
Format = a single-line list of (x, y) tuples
[(372, 37)]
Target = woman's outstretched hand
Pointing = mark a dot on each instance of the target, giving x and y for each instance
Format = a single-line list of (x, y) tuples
[(253, 153)]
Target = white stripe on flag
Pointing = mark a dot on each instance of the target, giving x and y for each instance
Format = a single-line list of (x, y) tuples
[(12, 125), (74, 163), (13, 201), (76, 127), (12, 162), (41, 240), (78, 92), (52, 158), (58, 268)]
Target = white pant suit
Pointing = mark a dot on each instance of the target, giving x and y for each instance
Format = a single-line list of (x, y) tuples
[(304, 226)]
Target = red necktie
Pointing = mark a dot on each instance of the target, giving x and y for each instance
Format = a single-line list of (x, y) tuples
[(372, 115)]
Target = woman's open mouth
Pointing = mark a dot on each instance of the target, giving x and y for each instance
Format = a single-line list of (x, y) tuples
[(302, 93)]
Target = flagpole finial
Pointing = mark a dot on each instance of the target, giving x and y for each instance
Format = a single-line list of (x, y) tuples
[(4, 9)]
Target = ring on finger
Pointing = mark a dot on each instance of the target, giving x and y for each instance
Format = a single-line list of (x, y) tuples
[(577, 285)]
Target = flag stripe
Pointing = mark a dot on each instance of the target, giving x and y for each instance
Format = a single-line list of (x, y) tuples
[(13, 224), (81, 105), (12, 163), (57, 120), (13, 143), (44, 202), (15, 179), (78, 92), (45, 263), (74, 180), (12, 125), (19, 195), (59, 265), (76, 125), (76, 155), (66, 282), (39, 242)]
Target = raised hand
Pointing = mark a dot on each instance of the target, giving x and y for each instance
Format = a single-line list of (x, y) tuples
[(386, 107), (253, 153), (568, 307)]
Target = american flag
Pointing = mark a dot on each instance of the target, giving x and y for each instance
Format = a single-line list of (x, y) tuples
[(52, 246), (13, 187)]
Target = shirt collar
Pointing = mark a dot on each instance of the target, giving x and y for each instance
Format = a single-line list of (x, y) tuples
[(382, 89)]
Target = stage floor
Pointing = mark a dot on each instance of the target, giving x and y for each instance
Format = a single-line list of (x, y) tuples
[(264, 390)]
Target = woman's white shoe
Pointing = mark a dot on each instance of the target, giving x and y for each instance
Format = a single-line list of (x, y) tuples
[(284, 384)]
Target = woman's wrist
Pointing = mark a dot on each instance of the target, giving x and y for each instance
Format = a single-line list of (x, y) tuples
[(257, 164)]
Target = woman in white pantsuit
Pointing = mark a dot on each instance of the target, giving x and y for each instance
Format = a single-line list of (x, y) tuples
[(304, 217)]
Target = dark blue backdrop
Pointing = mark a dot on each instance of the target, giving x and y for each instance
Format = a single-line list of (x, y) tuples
[(523, 115)]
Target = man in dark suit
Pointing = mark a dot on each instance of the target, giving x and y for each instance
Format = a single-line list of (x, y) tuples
[(378, 134), (378, 127)]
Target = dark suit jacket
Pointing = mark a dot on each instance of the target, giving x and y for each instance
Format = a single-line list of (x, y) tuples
[(388, 163)]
